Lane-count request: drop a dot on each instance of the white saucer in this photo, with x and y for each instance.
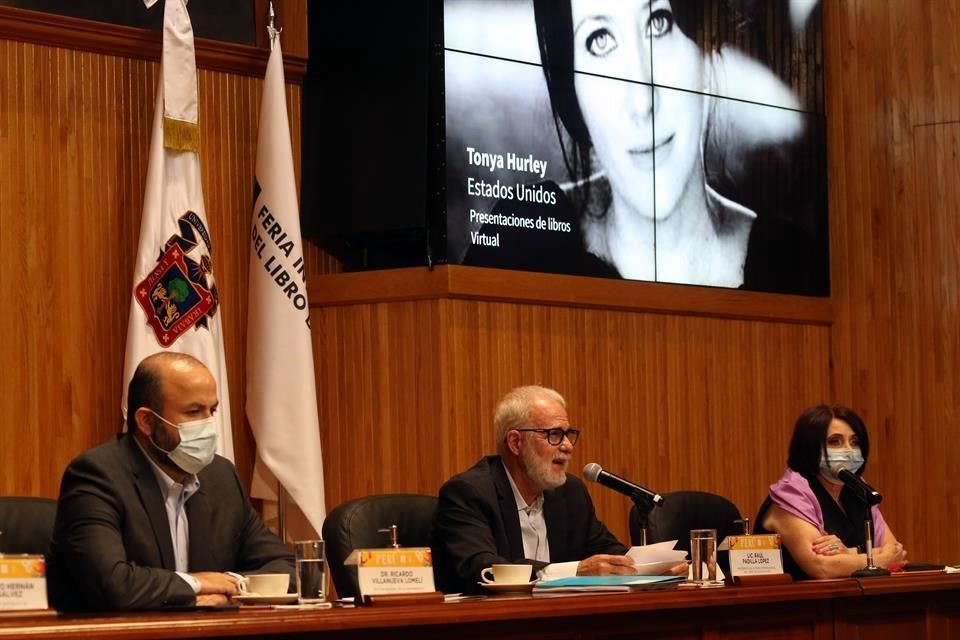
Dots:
(519, 587)
(255, 598)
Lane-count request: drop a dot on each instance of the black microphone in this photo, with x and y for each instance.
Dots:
(595, 473)
(861, 489)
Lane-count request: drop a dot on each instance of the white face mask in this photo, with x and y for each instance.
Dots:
(838, 459)
(198, 444)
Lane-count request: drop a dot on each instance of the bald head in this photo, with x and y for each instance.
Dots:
(148, 386)
(517, 408)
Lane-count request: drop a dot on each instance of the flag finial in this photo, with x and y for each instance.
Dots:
(272, 31)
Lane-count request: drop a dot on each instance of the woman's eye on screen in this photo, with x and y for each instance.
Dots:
(601, 42)
(661, 23)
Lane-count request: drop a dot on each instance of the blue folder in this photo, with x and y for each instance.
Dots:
(629, 582)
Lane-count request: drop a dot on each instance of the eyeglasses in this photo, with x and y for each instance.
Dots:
(556, 435)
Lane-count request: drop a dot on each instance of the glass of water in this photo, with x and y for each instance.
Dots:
(703, 555)
(311, 571)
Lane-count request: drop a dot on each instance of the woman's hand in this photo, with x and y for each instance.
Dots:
(829, 545)
(890, 555)
(800, 537)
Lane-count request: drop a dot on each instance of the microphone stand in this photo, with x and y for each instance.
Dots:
(644, 506)
(870, 570)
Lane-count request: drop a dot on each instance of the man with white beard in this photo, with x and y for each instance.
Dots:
(521, 506)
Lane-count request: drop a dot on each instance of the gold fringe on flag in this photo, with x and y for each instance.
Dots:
(180, 135)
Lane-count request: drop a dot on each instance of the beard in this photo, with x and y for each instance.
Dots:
(161, 439)
(541, 471)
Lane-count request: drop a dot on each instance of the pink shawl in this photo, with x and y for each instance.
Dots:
(793, 494)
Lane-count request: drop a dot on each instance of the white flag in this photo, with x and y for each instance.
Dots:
(175, 304)
(281, 388)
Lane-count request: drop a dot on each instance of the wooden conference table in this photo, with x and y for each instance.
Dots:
(908, 606)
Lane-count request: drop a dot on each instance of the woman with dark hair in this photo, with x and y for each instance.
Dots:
(631, 93)
(820, 520)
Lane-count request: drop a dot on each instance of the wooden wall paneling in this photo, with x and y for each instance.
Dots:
(291, 18)
(931, 79)
(499, 285)
(788, 621)
(675, 402)
(893, 116)
(889, 617)
(690, 404)
(77, 34)
(922, 481)
(377, 387)
(74, 135)
(68, 149)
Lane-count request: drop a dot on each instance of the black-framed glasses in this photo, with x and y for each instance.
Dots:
(556, 435)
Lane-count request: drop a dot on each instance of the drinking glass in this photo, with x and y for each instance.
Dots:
(311, 571)
(703, 555)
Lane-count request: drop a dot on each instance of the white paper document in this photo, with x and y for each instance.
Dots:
(655, 559)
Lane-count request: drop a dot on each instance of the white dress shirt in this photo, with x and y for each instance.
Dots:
(175, 496)
(533, 530)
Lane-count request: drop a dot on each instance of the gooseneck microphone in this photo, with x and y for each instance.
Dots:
(595, 473)
(861, 489)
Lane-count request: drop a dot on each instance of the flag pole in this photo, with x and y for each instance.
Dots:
(272, 33)
(281, 512)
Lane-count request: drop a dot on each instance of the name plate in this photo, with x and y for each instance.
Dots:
(23, 582)
(393, 571)
(757, 555)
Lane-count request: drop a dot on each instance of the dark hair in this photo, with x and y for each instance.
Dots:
(555, 39)
(146, 385)
(809, 441)
(726, 19)
(145, 390)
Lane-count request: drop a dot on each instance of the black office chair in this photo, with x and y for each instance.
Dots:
(354, 525)
(686, 510)
(26, 524)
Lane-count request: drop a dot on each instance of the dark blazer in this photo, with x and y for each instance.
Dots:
(477, 524)
(111, 543)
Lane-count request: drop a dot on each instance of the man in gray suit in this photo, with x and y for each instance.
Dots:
(153, 518)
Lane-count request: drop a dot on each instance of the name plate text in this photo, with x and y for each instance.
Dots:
(23, 582)
(393, 571)
(757, 555)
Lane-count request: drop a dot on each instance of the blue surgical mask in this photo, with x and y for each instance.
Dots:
(198, 444)
(838, 459)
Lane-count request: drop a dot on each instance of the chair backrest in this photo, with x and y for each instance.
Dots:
(26, 524)
(686, 510)
(354, 525)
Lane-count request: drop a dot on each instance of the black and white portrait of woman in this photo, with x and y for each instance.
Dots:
(680, 141)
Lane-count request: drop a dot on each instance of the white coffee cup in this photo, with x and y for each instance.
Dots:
(507, 574)
(268, 584)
